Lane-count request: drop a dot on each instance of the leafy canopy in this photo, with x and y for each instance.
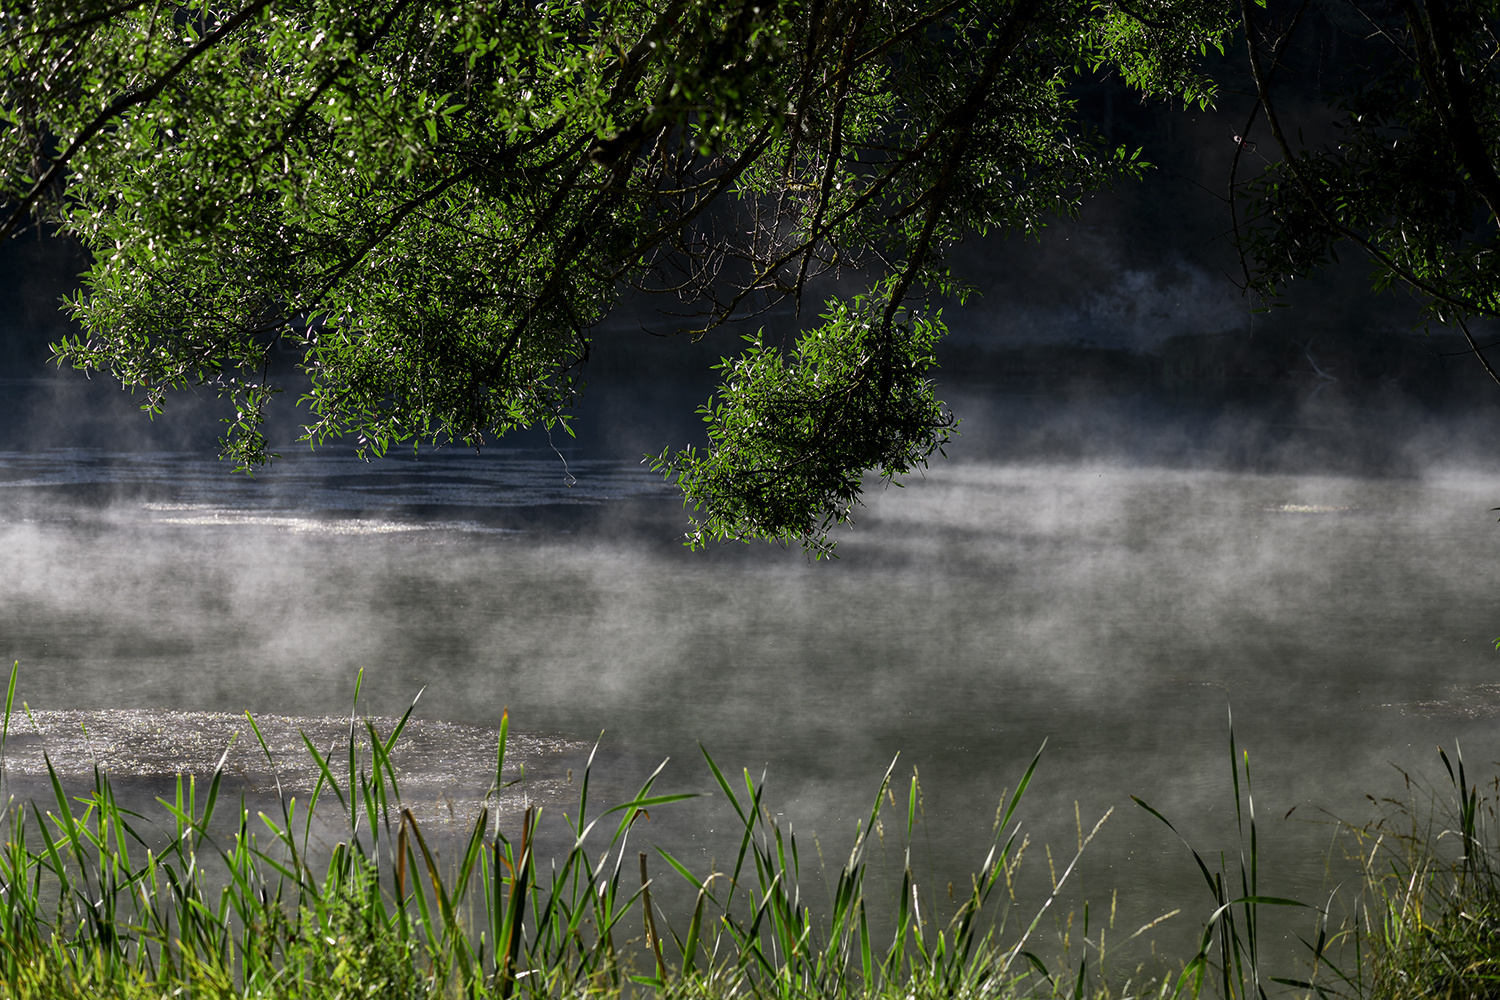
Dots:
(1409, 175)
(433, 201)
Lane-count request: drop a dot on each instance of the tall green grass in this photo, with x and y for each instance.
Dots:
(1229, 954)
(1420, 919)
(1423, 918)
(197, 898)
(206, 901)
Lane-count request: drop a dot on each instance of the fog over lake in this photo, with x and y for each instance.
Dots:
(1115, 600)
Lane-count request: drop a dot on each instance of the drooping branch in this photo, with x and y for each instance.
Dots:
(1242, 140)
(1316, 202)
(958, 127)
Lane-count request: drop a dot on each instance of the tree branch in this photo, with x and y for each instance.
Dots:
(118, 107)
(1443, 76)
(1309, 192)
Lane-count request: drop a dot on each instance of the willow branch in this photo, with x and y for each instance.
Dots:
(1309, 192)
(118, 107)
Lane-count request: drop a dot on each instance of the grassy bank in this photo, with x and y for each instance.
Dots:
(1424, 920)
(219, 904)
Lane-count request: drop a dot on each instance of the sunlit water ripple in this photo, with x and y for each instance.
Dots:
(303, 493)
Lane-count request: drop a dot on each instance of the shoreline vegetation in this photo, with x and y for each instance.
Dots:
(97, 900)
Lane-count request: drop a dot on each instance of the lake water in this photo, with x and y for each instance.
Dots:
(1116, 606)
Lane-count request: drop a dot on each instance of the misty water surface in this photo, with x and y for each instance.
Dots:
(1115, 607)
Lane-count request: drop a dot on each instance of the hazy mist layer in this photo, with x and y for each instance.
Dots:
(1114, 600)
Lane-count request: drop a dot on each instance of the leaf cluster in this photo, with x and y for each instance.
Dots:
(793, 433)
(1409, 177)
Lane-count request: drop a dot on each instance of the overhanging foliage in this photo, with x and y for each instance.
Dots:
(432, 202)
